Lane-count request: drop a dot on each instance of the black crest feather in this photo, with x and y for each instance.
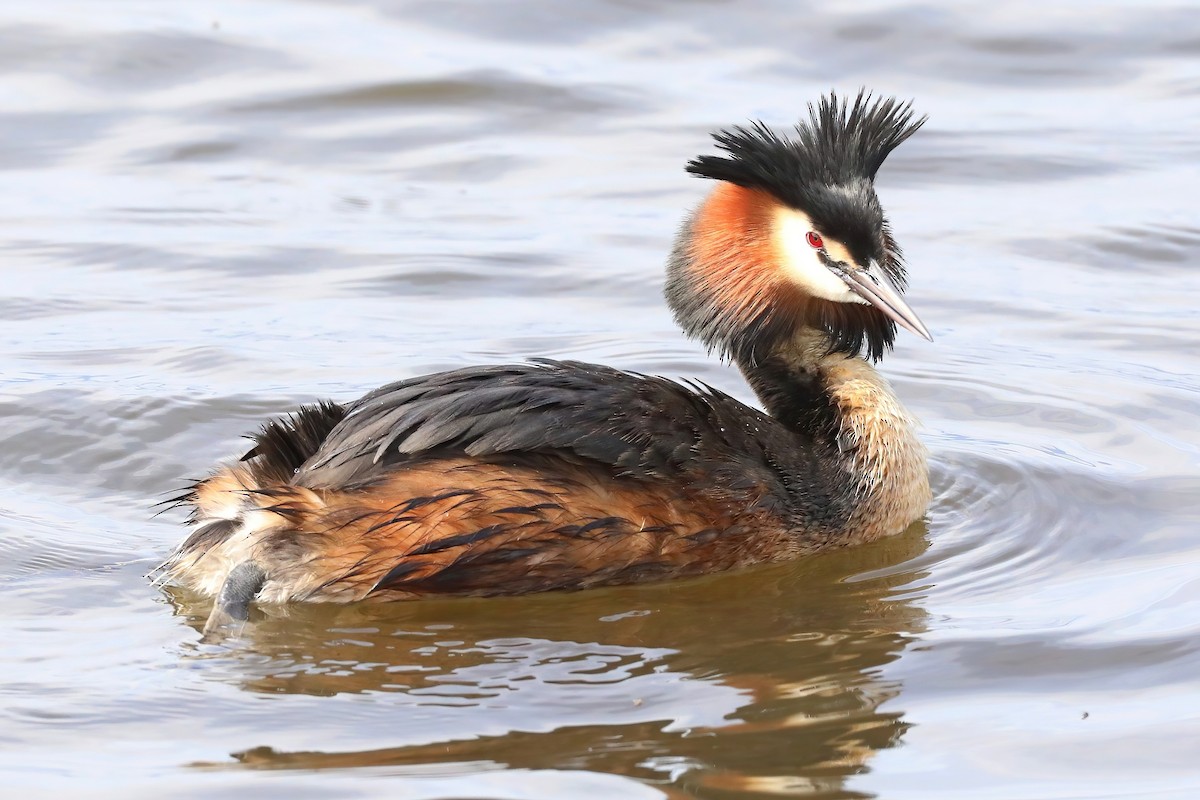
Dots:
(841, 143)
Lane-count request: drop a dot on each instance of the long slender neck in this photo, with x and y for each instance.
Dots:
(791, 383)
(844, 408)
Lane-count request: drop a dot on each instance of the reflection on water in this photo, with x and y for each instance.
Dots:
(213, 212)
(783, 663)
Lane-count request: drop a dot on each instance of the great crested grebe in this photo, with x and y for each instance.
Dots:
(562, 475)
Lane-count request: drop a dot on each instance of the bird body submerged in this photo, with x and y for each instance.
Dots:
(555, 475)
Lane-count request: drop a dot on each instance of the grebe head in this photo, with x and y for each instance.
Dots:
(794, 236)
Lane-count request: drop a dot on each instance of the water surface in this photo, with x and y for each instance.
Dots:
(213, 212)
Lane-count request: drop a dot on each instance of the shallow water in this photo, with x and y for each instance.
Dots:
(212, 212)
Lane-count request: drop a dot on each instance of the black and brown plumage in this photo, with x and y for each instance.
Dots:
(562, 475)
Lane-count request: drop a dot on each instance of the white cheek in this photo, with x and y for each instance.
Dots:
(802, 264)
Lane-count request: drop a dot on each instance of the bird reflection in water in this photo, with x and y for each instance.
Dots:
(762, 681)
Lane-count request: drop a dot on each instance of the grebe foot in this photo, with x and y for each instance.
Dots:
(232, 606)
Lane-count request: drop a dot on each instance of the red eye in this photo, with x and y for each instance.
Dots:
(815, 240)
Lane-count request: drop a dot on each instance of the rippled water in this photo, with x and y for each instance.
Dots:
(211, 212)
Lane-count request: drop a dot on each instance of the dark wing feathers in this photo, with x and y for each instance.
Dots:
(639, 426)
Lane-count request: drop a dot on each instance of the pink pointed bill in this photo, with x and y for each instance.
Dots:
(873, 285)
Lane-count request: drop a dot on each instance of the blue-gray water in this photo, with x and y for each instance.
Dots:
(212, 212)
